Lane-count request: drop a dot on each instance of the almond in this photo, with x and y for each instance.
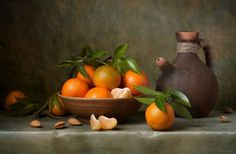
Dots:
(223, 119)
(59, 125)
(35, 124)
(74, 122)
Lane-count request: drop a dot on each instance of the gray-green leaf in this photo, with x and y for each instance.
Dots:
(133, 65)
(146, 100)
(181, 110)
(122, 65)
(82, 71)
(148, 91)
(120, 51)
(179, 97)
(160, 103)
(28, 109)
(98, 54)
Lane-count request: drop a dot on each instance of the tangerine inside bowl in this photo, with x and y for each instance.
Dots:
(119, 108)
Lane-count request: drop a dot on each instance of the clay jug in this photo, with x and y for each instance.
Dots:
(189, 74)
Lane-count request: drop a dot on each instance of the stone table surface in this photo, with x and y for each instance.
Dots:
(205, 135)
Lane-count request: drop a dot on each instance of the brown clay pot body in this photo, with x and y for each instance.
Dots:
(190, 75)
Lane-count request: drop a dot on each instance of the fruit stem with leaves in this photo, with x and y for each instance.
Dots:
(96, 58)
(175, 98)
(124, 63)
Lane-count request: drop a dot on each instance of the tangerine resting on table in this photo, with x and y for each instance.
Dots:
(106, 76)
(160, 120)
(98, 92)
(11, 98)
(74, 87)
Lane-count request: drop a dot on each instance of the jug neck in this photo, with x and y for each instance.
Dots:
(187, 47)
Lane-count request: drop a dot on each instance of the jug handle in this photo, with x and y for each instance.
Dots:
(208, 53)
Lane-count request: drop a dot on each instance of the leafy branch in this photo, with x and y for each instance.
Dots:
(24, 106)
(122, 62)
(87, 56)
(175, 98)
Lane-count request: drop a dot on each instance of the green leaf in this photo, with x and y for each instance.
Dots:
(122, 65)
(148, 91)
(27, 101)
(98, 54)
(179, 97)
(146, 100)
(120, 51)
(181, 110)
(50, 104)
(133, 65)
(28, 109)
(86, 50)
(65, 64)
(82, 71)
(160, 103)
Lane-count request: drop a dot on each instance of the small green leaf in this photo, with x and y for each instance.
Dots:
(27, 101)
(28, 109)
(181, 110)
(133, 65)
(120, 51)
(65, 64)
(98, 54)
(160, 103)
(179, 97)
(122, 65)
(86, 50)
(148, 91)
(82, 71)
(145, 100)
(50, 105)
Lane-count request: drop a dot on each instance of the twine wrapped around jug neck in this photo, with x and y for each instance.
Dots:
(189, 47)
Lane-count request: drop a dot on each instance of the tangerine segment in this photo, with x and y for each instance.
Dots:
(106, 76)
(89, 70)
(132, 79)
(157, 119)
(74, 87)
(98, 92)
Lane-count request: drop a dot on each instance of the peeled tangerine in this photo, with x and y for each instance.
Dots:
(102, 123)
(95, 124)
(121, 93)
(107, 123)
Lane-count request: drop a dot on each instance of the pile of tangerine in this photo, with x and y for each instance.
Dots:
(101, 81)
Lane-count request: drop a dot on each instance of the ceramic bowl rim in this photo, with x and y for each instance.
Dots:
(95, 100)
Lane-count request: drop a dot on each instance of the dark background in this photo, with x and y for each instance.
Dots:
(35, 35)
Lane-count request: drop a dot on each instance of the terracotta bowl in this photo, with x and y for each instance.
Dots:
(119, 108)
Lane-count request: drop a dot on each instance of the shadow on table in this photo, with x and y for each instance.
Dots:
(136, 118)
